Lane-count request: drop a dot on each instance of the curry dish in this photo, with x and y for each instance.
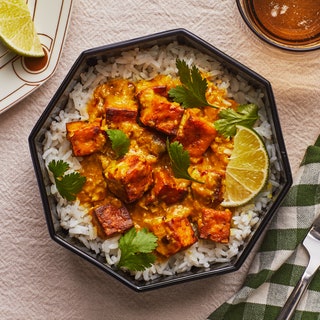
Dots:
(139, 188)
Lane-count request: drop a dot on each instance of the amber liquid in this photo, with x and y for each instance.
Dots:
(287, 21)
(36, 64)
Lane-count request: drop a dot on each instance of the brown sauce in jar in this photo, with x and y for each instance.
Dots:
(287, 21)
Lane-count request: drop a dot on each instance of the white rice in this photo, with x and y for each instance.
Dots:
(146, 64)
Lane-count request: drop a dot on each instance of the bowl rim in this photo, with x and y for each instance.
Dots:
(266, 39)
(128, 281)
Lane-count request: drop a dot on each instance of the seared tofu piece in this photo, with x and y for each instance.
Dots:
(195, 134)
(158, 113)
(210, 191)
(167, 188)
(173, 235)
(119, 115)
(129, 177)
(116, 99)
(215, 225)
(142, 138)
(85, 137)
(113, 219)
(120, 102)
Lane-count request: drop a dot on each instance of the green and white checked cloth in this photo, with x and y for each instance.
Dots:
(281, 259)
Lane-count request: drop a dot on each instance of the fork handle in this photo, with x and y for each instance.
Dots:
(295, 296)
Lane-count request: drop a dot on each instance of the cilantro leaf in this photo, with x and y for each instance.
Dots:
(138, 262)
(245, 115)
(70, 185)
(58, 168)
(180, 160)
(67, 185)
(119, 141)
(136, 248)
(192, 92)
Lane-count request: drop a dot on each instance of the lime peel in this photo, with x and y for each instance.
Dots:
(17, 30)
(247, 172)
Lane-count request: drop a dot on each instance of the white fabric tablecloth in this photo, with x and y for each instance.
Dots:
(42, 280)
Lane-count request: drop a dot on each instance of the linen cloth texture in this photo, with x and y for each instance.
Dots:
(281, 259)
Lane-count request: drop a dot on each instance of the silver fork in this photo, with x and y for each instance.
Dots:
(312, 244)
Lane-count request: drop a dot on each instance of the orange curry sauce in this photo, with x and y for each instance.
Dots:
(139, 189)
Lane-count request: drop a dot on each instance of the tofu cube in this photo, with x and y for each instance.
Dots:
(158, 113)
(116, 115)
(85, 137)
(120, 102)
(195, 134)
(167, 188)
(129, 177)
(113, 219)
(215, 225)
(116, 99)
(173, 235)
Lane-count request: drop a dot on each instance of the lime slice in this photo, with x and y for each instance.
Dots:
(247, 170)
(17, 29)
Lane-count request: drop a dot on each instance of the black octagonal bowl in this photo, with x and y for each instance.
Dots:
(234, 69)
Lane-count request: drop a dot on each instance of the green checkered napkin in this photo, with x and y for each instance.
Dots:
(281, 259)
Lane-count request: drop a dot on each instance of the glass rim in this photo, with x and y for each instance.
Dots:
(260, 34)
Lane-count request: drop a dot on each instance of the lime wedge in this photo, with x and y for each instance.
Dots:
(17, 30)
(248, 168)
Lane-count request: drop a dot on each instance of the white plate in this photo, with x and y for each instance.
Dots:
(19, 76)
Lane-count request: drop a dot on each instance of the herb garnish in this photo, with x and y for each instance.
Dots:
(119, 141)
(180, 160)
(245, 115)
(68, 185)
(192, 92)
(136, 247)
